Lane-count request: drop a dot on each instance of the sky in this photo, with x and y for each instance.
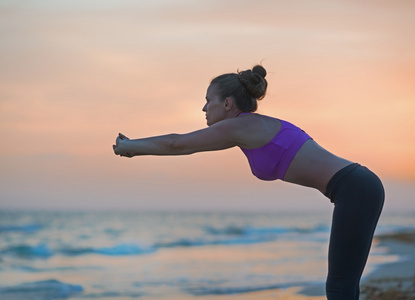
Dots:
(75, 73)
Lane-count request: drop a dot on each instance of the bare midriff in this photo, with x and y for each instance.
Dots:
(314, 166)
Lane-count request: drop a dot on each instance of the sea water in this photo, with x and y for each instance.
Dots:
(128, 255)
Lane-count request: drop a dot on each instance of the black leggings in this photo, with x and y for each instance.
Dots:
(358, 197)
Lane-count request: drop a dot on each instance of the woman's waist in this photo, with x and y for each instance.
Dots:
(313, 166)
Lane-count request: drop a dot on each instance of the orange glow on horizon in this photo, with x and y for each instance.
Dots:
(73, 77)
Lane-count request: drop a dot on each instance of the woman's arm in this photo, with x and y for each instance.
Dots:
(222, 135)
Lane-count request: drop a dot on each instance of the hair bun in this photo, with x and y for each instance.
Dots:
(254, 81)
(258, 69)
(246, 87)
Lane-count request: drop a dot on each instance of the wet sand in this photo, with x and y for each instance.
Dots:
(399, 275)
(276, 294)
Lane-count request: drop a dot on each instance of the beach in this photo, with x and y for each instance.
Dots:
(388, 281)
(188, 256)
(396, 277)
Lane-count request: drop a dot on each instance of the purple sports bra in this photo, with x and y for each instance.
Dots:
(271, 161)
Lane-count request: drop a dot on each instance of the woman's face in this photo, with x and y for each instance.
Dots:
(214, 107)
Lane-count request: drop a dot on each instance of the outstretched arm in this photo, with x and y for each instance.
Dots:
(222, 135)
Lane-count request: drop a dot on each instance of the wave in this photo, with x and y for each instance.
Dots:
(235, 230)
(233, 235)
(117, 250)
(31, 269)
(205, 291)
(43, 251)
(230, 235)
(26, 251)
(243, 240)
(47, 289)
(27, 228)
(113, 295)
(229, 230)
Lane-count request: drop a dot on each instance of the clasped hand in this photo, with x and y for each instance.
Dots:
(120, 146)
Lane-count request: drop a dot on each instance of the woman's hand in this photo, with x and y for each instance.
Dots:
(120, 147)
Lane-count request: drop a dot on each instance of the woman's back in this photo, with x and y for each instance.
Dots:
(311, 165)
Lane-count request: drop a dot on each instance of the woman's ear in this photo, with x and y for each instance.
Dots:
(228, 103)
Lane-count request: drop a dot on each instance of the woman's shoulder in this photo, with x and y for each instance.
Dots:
(257, 116)
(268, 122)
(256, 129)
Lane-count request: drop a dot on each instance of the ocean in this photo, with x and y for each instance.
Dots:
(162, 255)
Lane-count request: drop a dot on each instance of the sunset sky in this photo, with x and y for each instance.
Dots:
(75, 73)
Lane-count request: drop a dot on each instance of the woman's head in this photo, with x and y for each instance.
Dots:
(245, 87)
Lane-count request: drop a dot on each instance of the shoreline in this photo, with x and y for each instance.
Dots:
(393, 277)
(384, 282)
(386, 278)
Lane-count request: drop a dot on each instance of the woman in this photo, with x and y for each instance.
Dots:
(277, 149)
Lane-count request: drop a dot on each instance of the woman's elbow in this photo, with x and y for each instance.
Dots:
(176, 145)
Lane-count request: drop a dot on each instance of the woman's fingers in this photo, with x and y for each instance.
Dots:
(118, 141)
(121, 136)
(114, 147)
